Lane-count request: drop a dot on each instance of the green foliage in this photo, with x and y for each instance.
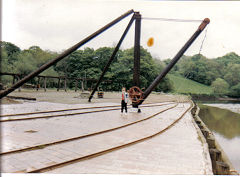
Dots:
(149, 69)
(199, 69)
(90, 63)
(13, 60)
(11, 50)
(31, 59)
(230, 58)
(4, 61)
(206, 71)
(232, 75)
(235, 90)
(187, 86)
(220, 86)
(84, 63)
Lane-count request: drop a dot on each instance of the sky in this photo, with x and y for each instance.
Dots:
(58, 24)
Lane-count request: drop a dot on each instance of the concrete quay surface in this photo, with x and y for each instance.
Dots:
(178, 150)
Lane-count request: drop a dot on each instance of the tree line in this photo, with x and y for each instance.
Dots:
(87, 63)
(222, 73)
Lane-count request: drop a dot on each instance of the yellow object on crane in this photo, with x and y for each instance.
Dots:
(150, 42)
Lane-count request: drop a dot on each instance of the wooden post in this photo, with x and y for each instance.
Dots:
(82, 85)
(205, 133)
(65, 84)
(58, 84)
(13, 82)
(38, 85)
(45, 84)
(18, 79)
(211, 142)
(76, 84)
(215, 156)
(222, 168)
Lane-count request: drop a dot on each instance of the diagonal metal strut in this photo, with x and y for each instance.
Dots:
(158, 79)
(61, 56)
(112, 57)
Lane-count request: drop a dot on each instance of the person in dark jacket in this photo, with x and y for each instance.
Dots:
(124, 100)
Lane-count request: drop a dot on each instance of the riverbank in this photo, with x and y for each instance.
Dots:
(221, 135)
(225, 125)
(213, 98)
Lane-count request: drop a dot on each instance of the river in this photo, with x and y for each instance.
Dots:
(224, 121)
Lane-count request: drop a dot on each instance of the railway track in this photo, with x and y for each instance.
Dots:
(47, 167)
(53, 111)
(5, 118)
(67, 162)
(40, 146)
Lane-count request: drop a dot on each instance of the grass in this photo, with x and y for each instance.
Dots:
(187, 86)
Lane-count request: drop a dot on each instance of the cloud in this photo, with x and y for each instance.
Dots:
(58, 24)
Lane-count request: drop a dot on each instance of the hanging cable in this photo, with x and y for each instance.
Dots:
(172, 20)
(203, 41)
(186, 75)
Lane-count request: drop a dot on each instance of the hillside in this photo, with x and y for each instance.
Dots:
(183, 85)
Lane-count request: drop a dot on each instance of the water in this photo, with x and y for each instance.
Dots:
(225, 125)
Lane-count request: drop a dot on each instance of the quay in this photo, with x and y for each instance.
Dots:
(96, 138)
(160, 134)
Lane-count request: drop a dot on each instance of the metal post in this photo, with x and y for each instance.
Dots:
(204, 23)
(136, 69)
(63, 55)
(112, 57)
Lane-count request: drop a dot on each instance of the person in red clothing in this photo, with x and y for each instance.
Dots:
(124, 100)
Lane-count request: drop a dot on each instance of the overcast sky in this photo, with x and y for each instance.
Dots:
(58, 24)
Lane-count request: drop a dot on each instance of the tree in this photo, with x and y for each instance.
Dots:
(199, 69)
(232, 75)
(226, 60)
(5, 67)
(235, 90)
(220, 86)
(102, 55)
(31, 59)
(78, 64)
(150, 68)
(11, 50)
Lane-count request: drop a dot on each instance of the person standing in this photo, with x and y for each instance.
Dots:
(124, 100)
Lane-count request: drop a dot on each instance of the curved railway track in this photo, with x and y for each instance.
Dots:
(52, 111)
(59, 165)
(40, 146)
(63, 110)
